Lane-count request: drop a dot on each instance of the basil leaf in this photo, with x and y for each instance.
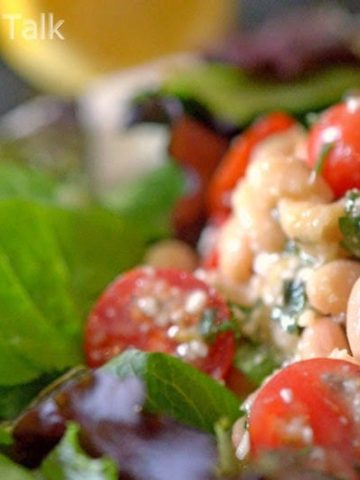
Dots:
(69, 462)
(178, 389)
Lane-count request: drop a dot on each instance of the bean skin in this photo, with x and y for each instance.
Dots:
(321, 338)
(328, 288)
(353, 320)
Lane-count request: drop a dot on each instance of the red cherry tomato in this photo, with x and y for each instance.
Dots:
(235, 161)
(159, 310)
(312, 402)
(338, 127)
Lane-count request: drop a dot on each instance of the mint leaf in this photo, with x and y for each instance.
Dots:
(6, 438)
(54, 262)
(12, 471)
(69, 462)
(13, 399)
(178, 389)
(26, 182)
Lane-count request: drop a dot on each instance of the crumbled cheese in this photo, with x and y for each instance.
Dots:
(148, 305)
(287, 395)
(195, 302)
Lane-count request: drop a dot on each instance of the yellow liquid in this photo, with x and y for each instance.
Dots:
(105, 35)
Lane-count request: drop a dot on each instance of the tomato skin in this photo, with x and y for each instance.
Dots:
(339, 126)
(116, 324)
(236, 159)
(313, 395)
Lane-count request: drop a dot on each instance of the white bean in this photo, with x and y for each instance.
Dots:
(328, 287)
(277, 176)
(310, 222)
(353, 320)
(171, 254)
(321, 338)
(235, 255)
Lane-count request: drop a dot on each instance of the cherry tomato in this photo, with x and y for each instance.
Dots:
(235, 161)
(337, 133)
(198, 150)
(159, 310)
(311, 402)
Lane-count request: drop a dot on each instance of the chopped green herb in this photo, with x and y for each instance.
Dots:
(209, 327)
(320, 162)
(256, 361)
(350, 223)
(293, 303)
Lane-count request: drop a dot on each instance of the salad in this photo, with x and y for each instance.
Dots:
(204, 324)
(229, 361)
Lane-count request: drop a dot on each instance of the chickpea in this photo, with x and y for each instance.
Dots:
(171, 254)
(353, 320)
(310, 222)
(277, 176)
(284, 143)
(321, 338)
(328, 287)
(235, 255)
(257, 219)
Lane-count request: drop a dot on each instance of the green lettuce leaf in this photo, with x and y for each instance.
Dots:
(177, 389)
(231, 95)
(69, 462)
(12, 471)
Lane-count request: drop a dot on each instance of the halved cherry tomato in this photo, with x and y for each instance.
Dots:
(337, 135)
(198, 150)
(309, 403)
(235, 161)
(159, 310)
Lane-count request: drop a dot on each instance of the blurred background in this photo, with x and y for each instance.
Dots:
(142, 94)
(249, 13)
